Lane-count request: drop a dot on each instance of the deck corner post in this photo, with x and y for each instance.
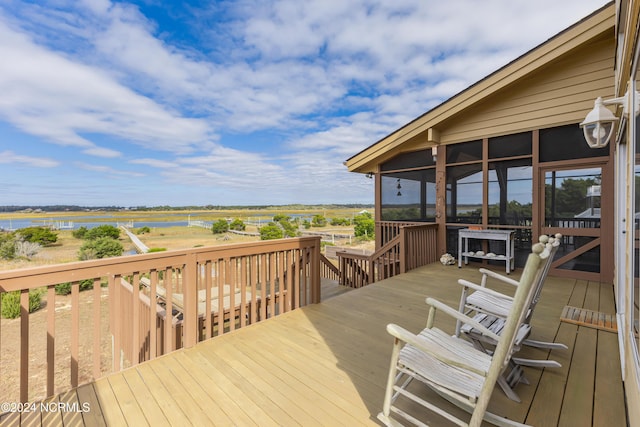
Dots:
(403, 252)
(315, 272)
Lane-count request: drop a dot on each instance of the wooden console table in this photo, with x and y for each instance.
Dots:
(502, 235)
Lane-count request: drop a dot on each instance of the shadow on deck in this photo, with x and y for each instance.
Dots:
(326, 364)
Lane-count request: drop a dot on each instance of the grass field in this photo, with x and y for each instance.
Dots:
(169, 238)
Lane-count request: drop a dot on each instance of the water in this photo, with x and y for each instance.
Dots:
(77, 222)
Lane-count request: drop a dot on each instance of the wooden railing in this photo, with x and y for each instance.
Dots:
(412, 247)
(142, 306)
(328, 270)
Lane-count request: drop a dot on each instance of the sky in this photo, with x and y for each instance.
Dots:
(247, 102)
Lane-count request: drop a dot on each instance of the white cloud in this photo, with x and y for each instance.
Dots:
(314, 81)
(107, 170)
(38, 162)
(48, 95)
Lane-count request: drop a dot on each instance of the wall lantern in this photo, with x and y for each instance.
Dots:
(599, 124)
(434, 152)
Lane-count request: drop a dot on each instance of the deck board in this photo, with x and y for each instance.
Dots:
(327, 364)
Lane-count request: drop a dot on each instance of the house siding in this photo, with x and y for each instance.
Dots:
(560, 93)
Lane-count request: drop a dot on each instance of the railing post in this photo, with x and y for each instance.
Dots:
(402, 251)
(190, 291)
(315, 273)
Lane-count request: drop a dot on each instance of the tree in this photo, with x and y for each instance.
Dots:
(40, 235)
(271, 231)
(318, 221)
(237, 225)
(340, 221)
(289, 228)
(281, 218)
(364, 225)
(102, 247)
(102, 231)
(220, 226)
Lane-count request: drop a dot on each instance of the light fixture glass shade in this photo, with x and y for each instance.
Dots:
(598, 125)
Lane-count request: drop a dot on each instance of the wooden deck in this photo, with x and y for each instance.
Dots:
(326, 365)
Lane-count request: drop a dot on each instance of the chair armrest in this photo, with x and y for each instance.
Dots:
(401, 334)
(462, 318)
(498, 276)
(488, 291)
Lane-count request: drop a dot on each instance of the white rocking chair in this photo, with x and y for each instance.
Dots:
(451, 366)
(490, 308)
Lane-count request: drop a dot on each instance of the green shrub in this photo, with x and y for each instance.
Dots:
(271, 231)
(102, 247)
(65, 288)
(220, 226)
(7, 246)
(11, 303)
(237, 225)
(364, 226)
(318, 221)
(80, 232)
(143, 230)
(40, 235)
(156, 250)
(102, 231)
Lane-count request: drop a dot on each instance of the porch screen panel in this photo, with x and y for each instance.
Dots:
(408, 196)
(572, 198)
(566, 143)
(464, 193)
(510, 192)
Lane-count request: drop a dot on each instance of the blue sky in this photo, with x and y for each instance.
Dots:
(233, 102)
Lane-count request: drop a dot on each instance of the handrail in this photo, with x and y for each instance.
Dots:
(265, 279)
(328, 270)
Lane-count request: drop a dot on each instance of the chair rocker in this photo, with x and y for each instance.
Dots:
(451, 366)
(489, 308)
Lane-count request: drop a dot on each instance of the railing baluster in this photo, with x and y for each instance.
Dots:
(114, 305)
(24, 345)
(97, 321)
(135, 305)
(253, 274)
(168, 319)
(262, 271)
(153, 314)
(243, 291)
(231, 269)
(75, 332)
(208, 333)
(51, 339)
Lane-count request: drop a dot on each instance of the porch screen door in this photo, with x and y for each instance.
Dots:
(576, 204)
